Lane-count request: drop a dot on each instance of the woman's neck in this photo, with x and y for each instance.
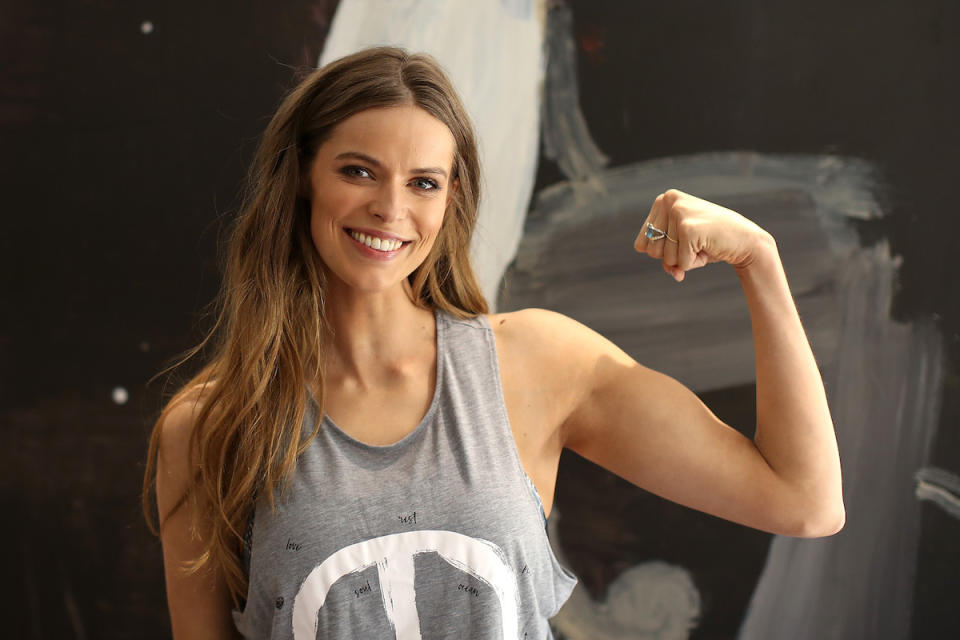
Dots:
(375, 334)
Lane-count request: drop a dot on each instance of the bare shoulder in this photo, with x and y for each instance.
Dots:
(543, 337)
(533, 324)
(176, 425)
(178, 419)
(549, 362)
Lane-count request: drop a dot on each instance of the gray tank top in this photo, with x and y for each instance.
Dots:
(440, 535)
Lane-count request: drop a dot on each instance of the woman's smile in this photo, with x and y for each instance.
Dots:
(375, 245)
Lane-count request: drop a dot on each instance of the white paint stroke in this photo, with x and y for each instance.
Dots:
(650, 601)
(940, 487)
(493, 52)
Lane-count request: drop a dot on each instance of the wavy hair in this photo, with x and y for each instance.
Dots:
(267, 342)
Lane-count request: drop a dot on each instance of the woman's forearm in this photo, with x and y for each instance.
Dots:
(795, 432)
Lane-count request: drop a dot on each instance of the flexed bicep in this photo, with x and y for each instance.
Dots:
(654, 432)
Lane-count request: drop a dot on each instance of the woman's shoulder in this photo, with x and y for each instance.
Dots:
(553, 345)
(540, 328)
(548, 342)
(185, 405)
(548, 363)
(530, 319)
(176, 425)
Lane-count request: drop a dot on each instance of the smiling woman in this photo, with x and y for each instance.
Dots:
(369, 451)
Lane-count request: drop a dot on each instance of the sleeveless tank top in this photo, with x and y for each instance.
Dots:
(439, 535)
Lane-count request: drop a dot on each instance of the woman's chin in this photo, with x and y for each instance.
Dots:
(370, 286)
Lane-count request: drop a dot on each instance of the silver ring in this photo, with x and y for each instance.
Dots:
(655, 233)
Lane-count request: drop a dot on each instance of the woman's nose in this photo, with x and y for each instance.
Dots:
(388, 204)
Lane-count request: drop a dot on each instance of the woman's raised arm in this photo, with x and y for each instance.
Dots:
(653, 431)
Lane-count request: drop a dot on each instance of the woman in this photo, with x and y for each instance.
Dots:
(368, 450)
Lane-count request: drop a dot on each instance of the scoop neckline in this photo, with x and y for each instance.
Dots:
(424, 421)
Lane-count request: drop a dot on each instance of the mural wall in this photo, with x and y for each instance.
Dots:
(125, 132)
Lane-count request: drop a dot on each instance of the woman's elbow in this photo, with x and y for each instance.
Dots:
(822, 522)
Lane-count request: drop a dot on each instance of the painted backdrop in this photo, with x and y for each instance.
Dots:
(125, 129)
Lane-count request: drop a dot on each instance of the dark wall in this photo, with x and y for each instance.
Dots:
(121, 152)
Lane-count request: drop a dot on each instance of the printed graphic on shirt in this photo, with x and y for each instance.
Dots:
(406, 564)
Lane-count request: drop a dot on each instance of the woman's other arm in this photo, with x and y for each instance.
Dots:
(199, 603)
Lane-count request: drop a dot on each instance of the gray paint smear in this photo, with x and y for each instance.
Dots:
(577, 257)
(882, 377)
(822, 189)
(940, 487)
(885, 398)
(566, 139)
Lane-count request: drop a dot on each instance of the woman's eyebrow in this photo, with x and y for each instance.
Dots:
(356, 155)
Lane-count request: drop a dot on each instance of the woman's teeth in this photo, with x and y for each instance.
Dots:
(380, 244)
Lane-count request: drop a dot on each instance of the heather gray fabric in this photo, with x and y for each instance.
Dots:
(440, 535)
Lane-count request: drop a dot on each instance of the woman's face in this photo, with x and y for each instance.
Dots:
(379, 187)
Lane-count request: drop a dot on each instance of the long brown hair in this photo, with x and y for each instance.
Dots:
(268, 339)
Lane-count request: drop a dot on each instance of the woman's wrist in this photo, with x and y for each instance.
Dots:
(763, 259)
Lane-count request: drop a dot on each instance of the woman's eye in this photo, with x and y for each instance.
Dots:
(355, 172)
(426, 184)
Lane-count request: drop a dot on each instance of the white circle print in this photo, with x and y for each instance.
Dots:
(394, 557)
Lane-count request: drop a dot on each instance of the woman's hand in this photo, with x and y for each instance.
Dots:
(686, 232)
